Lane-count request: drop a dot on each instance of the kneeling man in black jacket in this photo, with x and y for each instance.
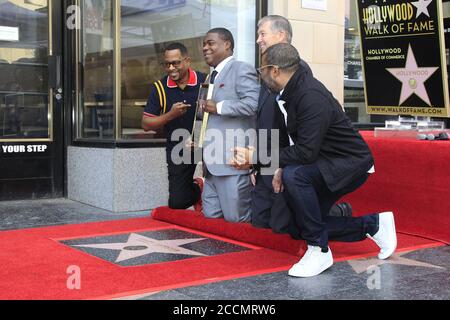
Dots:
(327, 158)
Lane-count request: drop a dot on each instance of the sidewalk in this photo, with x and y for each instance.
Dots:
(52, 212)
(422, 274)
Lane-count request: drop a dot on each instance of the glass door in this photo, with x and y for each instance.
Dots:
(31, 146)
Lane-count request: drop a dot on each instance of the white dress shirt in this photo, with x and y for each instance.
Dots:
(283, 110)
(219, 68)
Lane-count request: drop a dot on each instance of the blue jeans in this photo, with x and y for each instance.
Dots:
(310, 200)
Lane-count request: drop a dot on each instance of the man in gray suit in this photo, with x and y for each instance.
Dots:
(232, 116)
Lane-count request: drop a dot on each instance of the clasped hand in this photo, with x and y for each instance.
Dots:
(277, 182)
(209, 106)
(242, 159)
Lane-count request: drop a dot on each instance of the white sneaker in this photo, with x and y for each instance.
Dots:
(314, 262)
(386, 237)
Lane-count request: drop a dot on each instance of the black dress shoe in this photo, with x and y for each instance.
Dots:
(343, 209)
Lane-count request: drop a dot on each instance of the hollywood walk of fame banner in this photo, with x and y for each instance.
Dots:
(403, 53)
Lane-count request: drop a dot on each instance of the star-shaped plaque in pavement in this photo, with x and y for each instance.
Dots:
(363, 265)
(152, 247)
(422, 7)
(138, 245)
(413, 78)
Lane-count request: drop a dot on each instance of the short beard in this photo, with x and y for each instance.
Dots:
(271, 89)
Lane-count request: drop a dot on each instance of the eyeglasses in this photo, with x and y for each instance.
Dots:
(277, 66)
(175, 64)
(268, 65)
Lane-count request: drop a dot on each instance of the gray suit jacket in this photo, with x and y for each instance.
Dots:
(237, 85)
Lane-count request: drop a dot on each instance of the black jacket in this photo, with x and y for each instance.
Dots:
(269, 117)
(322, 133)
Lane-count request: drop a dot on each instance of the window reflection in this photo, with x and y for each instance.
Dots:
(95, 72)
(147, 27)
(24, 109)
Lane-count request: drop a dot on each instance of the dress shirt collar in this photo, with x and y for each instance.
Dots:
(284, 112)
(279, 96)
(222, 65)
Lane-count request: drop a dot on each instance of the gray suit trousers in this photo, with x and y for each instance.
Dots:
(227, 197)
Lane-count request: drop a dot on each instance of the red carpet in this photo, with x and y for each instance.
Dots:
(281, 242)
(35, 263)
(411, 179)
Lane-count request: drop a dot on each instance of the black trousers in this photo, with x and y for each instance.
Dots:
(270, 210)
(183, 192)
(310, 200)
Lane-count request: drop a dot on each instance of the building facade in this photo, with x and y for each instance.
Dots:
(75, 76)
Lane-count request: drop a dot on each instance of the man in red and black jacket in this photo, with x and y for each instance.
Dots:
(172, 105)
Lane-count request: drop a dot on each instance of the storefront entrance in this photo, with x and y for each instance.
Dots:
(31, 101)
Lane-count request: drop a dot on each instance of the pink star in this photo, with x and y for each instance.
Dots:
(413, 78)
